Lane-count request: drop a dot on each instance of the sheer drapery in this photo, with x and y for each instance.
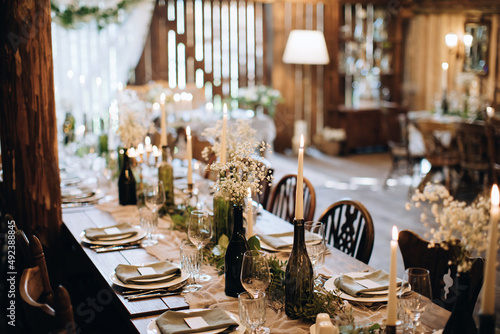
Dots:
(90, 64)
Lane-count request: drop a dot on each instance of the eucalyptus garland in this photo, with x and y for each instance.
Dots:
(68, 16)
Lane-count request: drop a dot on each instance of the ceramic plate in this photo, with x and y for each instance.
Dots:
(184, 276)
(377, 298)
(140, 234)
(153, 329)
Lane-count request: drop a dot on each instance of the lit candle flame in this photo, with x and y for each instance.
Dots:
(224, 109)
(249, 192)
(444, 66)
(188, 131)
(394, 233)
(495, 196)
(301, 141)
(162, 98)
(147, 141)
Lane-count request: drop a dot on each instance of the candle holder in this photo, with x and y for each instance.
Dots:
(486, 323)
(390, 329)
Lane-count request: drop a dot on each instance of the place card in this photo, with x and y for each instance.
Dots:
(112, 230)
(196, 322)
(368, 283)
(146, 271)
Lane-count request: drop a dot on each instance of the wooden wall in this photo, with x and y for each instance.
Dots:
(236, 54)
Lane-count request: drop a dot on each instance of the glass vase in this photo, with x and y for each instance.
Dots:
(223, 217)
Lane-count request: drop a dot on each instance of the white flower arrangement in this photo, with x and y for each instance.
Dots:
(260, 95)
(455, 223)
(133, 116)
(244, 168)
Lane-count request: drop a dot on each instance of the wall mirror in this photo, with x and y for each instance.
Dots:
(476, 47)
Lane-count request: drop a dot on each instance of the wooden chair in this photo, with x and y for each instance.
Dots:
(493, 134)
(349, 227)
(440, 150)
(475, 171)
(395, 124)
(49, 309)
(282, 198)
(445, 288)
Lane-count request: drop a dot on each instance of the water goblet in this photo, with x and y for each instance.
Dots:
(154, 197)
(252, 310)
(190, 263)
(148, 221)
(415, 296)
(200, 233)
(315, 244)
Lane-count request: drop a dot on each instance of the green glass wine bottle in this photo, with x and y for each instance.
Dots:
(166, 175)
(127, 193)
(299, 272)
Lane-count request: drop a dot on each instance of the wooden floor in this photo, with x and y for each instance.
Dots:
(361, 177)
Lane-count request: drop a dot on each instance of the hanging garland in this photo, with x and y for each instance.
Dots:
(68, 16)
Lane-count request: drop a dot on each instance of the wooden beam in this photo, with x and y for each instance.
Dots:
(28, 133)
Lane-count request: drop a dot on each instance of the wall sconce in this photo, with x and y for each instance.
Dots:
(451, 40)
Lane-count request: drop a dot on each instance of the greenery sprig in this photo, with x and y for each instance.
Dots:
(72, 14)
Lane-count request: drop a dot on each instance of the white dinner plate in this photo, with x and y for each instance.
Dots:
(140, 234)
(153, 329)
(377, 298)
(184, 276)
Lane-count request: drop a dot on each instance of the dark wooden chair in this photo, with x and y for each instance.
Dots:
(282, 198)
(46, 310)
(445, 287)
(493, 134)
(475, 171)
(395, 124)
(441, 152)
(349, 227)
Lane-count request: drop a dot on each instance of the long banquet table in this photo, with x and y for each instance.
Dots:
(142, 312)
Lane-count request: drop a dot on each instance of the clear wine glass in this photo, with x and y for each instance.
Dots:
(190, 263)
(147, 218)
(154, 197)
(252, 310)
(199, 233)
(315, 244)
(415, 296)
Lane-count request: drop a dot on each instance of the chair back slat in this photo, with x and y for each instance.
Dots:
(282, 198)
(349, 227)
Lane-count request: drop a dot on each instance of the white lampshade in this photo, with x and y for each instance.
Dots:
(306, 47)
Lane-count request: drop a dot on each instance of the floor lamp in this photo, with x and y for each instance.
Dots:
(305, 47)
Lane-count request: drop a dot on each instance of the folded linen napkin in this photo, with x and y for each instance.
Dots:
(357, 284)
(285, 240)
(110, 233)
(172, 322)
(130, 274)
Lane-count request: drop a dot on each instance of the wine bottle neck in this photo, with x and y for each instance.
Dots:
(237, 219)
(164, 153)
(298, 233)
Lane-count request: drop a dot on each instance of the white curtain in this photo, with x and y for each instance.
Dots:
(90, 64)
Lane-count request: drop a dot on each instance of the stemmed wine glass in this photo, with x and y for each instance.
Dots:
(200, 233)
(190, 263)
(415, 296)
(154, 196)
(315, 244)
(255, 277)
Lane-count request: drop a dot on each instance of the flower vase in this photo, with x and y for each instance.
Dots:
(223, 217)
(461, 319)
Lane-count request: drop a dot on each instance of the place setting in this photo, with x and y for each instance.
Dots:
(113, 238)
(151, 280)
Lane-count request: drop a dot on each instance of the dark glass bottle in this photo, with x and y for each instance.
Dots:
(166, 175)
(127, 194)
(237, 246)
(299, 272)
(461, 319)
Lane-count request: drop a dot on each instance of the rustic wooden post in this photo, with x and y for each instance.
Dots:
(28, 131)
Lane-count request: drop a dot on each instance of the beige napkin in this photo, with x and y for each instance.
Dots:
(357, 284)
(172, 322)
(130, 274)
(285, 240)
(110, 233)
